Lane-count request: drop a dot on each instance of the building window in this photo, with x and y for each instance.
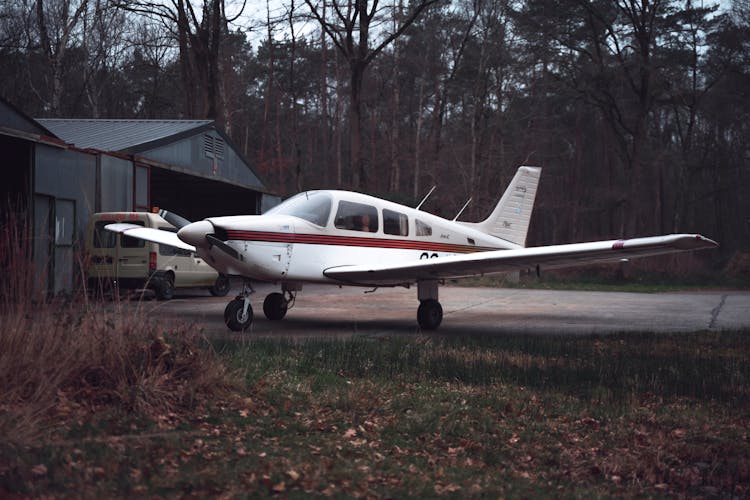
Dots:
(65, 225)
(142, 195)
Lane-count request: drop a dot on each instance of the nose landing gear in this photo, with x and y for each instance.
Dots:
(238, 314)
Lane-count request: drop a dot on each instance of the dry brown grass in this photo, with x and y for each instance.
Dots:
(69, 354)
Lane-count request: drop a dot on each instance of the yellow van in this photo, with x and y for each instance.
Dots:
(129, 263)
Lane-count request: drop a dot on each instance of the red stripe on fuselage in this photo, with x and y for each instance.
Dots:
(352, 241)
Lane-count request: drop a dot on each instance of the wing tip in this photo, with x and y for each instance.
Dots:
(698, 241)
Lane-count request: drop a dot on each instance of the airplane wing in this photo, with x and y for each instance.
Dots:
(150, 234)
(497, 261)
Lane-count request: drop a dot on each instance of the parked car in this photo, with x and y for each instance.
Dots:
(129, 263)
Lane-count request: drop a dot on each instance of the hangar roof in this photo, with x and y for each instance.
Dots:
(194, 147)
(13, 119)
(127, 136)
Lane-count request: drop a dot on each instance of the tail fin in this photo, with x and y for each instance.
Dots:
(510, 218)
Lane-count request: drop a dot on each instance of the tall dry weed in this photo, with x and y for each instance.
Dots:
(62, 352)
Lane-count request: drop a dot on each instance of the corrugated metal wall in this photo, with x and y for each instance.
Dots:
(64, 199)
(116, 184)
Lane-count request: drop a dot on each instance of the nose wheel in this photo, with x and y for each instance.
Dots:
(238, 315)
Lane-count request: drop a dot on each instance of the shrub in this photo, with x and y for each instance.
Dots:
(63, 353)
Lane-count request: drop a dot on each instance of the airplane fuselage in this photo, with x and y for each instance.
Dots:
(321, 230)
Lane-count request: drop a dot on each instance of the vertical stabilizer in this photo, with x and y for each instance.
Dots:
(510, 218)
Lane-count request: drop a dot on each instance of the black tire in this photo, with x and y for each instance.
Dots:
(275, 306)
(164, 288)
(221, 286)
(233, 315)
(429, 314)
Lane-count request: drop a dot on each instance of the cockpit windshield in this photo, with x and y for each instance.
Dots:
(313, 206)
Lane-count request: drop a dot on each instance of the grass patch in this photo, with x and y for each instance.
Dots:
(512, 416)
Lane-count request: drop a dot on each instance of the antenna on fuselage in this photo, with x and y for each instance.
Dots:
(425, 198)
(462, 209)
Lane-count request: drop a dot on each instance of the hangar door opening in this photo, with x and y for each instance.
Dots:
(196, 198)
(15, 187)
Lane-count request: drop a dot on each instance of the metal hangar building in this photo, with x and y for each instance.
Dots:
(63, 170)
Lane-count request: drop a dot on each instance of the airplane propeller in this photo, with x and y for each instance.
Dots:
(176, 220)
(214, 241)
(204, 232)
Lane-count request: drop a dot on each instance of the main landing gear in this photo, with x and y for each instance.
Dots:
(430, 312)
(276, 304)
(238, 314)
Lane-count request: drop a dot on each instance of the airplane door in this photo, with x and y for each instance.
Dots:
(283, 252)
(271, 259)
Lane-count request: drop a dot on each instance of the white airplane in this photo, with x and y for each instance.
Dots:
(347, 238)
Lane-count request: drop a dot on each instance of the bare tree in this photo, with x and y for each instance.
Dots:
(198, 30)
(57, 21)
(350, 31)
(102, 40)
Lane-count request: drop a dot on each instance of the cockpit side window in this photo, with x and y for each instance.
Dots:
(356, 217)
(395, 223)
(423, 229)
(314, 206)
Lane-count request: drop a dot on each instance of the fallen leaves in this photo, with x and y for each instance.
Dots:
(371, 438)
(39, 470)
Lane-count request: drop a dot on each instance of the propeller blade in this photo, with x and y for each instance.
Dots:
(204, 233)
(214, 241)
(174, 219)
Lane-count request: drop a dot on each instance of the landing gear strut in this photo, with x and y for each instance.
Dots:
(238, 314)
(430, 312)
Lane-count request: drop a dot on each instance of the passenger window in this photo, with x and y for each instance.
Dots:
(356, 217)
(395, 223)
(102, 237)
(423, 229)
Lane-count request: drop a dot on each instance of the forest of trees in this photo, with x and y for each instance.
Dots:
(637, 110)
